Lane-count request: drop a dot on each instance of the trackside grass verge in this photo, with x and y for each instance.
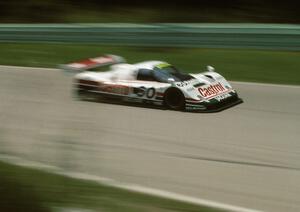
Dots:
(26, 189)
(281, 67)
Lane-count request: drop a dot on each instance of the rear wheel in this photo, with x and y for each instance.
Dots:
(85, 89)
(174, 99)
(85, 95)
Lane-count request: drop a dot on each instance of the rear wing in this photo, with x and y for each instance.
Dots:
(92, 63)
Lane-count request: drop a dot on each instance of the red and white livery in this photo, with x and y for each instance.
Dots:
(151, 82)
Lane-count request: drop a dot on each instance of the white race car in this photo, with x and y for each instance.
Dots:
(151, 82)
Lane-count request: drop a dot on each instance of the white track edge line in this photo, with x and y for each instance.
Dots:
(126, 186)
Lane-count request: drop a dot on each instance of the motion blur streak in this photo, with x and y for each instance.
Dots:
(247, 156)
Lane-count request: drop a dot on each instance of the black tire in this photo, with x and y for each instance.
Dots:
(174, 99)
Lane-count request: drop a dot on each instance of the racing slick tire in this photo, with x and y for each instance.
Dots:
(174, 99)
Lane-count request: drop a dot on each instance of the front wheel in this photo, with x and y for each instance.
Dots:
(174, 99)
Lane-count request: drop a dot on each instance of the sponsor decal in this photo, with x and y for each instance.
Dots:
(195, 107)
(184, 83)
(117, 89)
(211, 90)
(223, 96)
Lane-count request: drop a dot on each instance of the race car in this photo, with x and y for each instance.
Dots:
(151, 82)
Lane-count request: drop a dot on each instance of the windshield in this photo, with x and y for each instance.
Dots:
(167, 72)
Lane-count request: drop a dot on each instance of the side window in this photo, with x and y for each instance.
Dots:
(145, 75)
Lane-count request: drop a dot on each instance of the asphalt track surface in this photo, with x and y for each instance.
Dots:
(248, 155)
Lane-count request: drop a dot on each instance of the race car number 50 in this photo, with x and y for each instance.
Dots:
(150, 92)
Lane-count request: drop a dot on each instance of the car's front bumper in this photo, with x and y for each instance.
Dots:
(214, 105)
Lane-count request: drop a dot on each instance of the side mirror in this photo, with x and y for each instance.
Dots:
(210, 68)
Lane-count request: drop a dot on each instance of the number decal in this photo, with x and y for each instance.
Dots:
(150, 93)
(142, 91)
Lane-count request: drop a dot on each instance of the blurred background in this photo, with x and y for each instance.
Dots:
(247, 156)
(188, 11)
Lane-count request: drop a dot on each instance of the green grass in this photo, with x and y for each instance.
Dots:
(25, 189)
(281, 67)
